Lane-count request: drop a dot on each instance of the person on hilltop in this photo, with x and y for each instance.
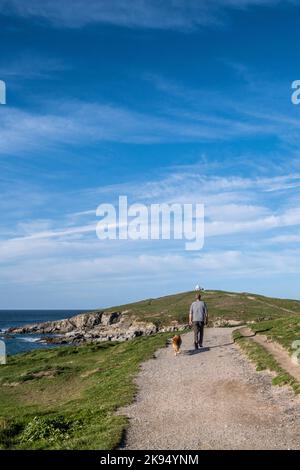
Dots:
(198, 318)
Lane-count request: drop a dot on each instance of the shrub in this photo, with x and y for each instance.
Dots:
(51, 429)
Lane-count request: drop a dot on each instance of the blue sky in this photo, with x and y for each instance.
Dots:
(173, 101)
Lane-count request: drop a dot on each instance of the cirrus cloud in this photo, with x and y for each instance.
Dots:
(167, 14)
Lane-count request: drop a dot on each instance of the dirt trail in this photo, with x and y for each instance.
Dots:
(277, 351)
(213, 399)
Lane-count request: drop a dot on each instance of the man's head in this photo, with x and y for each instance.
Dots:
(198, 297)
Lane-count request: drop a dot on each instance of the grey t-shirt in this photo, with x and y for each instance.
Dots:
(198, 310)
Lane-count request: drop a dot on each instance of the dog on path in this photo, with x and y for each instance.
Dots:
(176, 343)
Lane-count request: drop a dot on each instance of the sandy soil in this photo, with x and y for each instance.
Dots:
(213, 399)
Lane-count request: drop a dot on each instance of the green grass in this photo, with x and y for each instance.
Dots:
(282, 330)
(263, 359)
(222, 305)
(67, 397)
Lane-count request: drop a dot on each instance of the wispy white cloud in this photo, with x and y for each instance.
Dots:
(233, 206)
(74, 122)
(284, 239)
(30, 66)
(79, 123)
(66, 252)
(169, 14)
(230, 263)
(190, 183)
(251, 104)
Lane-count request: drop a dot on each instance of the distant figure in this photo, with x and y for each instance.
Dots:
(198, 318)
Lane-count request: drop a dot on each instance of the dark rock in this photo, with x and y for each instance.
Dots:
(83, 321)
(110, 318)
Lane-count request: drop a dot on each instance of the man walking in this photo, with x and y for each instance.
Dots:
(198, 318)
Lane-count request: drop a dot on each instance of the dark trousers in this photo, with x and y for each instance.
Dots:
(198, 332)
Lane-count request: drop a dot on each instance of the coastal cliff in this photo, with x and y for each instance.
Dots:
(94, 327)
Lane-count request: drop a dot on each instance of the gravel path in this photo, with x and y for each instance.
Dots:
(213, 399)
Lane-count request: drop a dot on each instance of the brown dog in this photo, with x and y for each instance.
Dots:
(176, 343)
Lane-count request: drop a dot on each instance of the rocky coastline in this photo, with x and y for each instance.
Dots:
(94, 327)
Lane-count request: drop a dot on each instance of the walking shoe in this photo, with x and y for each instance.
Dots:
(196, 346)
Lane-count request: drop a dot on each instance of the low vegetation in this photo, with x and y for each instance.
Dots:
(265, 361)
(66, 398)
(225, 306)
(282, 330)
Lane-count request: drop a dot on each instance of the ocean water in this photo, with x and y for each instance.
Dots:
(23, 343)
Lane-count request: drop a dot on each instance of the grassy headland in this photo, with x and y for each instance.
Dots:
(67, 397)
(222, 305)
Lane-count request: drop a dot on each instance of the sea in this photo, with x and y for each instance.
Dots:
(22, 343)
